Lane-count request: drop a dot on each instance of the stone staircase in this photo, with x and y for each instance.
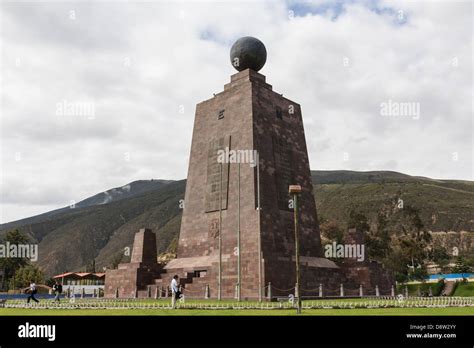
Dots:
(448, 288)
(193, 286)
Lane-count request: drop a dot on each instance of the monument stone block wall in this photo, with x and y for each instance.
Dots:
(131, 277)
(253, 117)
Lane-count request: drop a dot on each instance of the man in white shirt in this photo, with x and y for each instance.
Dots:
(32, 292)
(174, 290)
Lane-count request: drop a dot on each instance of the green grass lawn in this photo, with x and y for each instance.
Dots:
(464, 289)
(208, 302)
(415, 289)
(240, 312)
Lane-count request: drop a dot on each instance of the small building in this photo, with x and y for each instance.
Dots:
(77, 281)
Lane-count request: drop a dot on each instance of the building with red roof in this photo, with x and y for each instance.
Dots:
(81, 282)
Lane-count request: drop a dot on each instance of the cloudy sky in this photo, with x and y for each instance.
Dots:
(96, 95)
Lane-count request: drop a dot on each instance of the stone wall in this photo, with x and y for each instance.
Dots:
(129, 278)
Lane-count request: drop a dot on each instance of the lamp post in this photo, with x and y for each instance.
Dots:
(259, 235)
(295, 190)
(239, 280)
(219, 281)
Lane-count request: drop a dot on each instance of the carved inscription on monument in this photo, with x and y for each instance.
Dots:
(282, 155)
(214, 168)
(214, 228)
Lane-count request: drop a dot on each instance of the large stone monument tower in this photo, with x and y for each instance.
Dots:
(248, 146)
(237, 231)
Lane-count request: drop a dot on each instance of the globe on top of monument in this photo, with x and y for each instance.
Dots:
(248, 53)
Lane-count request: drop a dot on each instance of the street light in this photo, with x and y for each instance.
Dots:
(295, 190)
(219, 289)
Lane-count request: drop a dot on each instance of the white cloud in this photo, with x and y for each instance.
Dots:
(141, 64)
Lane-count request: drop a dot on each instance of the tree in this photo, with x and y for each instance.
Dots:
(91, 267)
(413, 241)
(10, 265)
(378, 244)
(396, 261)
(419, 273)
(24, 275)
(50, 282)
(408, 221)
(439, 254)
(379, 241)
(331, 230)
(461, 266)
(358, 221)
(443, 264)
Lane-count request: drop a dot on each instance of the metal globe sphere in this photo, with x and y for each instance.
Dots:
(248, 53)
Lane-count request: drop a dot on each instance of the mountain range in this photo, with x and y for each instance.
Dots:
(100, 227)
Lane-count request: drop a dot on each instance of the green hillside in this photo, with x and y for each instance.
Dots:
(443, 205)
(75, 237)
(69, 239)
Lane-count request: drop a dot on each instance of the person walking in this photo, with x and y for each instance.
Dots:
(32, 291)
(174, 291)
(58, 289)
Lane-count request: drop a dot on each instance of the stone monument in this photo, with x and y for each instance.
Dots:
(237, 229)
(131, 278)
